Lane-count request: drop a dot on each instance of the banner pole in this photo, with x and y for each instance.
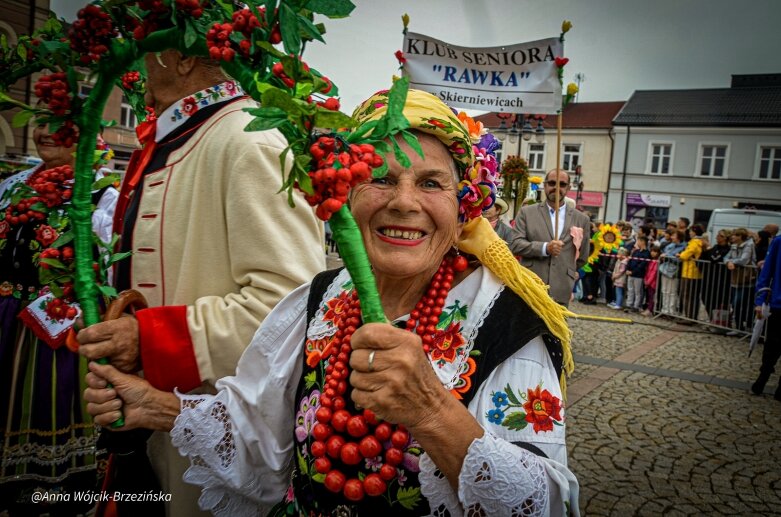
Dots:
(558, 164)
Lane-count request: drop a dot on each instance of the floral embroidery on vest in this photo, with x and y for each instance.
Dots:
(539, 407)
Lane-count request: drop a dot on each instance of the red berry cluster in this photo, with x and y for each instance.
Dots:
(66, 255)
(219, 43)
(59, 310)
(192, 8)
(22, 212)
(53, 185)
(129, 79)
(279, 71)
(66, 135)
(244, 21)
(91, 33)
(151, 21)
(54, 91)
(339, 168)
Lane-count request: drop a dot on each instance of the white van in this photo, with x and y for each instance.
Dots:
(731, 218)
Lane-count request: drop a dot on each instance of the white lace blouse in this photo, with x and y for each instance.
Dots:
(241, 441)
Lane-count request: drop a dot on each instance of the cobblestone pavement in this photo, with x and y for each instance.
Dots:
(660, 421)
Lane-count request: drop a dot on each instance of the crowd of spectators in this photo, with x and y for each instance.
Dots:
(681, 272)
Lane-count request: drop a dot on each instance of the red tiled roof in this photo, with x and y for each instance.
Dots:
(577, 115)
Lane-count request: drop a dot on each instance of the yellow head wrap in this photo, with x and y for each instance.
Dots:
(428, 114)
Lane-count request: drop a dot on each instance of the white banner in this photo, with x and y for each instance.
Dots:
(521, 78)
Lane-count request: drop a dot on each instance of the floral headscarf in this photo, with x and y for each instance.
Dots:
(477, 165)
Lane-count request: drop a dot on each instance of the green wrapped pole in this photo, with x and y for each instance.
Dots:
(348, 237)
(81, 203)
(81, 207)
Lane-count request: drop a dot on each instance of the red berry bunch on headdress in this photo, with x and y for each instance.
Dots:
(244, 22)
(340, 167)
(129, 79)
(53, 89)
(219, 43)
(157, 14)
(192, 8)
(91, 33)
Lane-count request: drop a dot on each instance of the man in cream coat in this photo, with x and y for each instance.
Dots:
(554, 257)
(215, 247)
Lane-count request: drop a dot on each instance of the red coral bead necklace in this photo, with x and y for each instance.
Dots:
(349, 438)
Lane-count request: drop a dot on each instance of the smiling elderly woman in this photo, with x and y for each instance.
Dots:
(453, 407)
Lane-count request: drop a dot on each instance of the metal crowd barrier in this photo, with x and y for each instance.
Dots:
(721, 298)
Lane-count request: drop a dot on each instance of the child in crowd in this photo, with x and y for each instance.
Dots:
(619, 278)
(650, 281)
(635, 271)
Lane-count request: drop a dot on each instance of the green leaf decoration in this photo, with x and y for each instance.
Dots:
(265, 123)
(320, 478)
(332, 119)
(190, 33)
(22, 118)
(400, 155)
(288, 24)
(308, 29)
(302, 463)
(515, 421)
(408, 497)
(107, 290)
(53, 263)
(277, 98)
(412, 141)
(331, 8)
(511, 396)
(62, 240)
(310, 379)
(105, 181)
(116, 257)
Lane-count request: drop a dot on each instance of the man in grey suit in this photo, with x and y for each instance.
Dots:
(553, 256)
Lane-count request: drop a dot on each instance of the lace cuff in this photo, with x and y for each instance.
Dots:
(203, 432)
(436, 489)
(498, 478)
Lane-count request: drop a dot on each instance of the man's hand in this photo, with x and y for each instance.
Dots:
(554, 248)
(731, 266)
(116, 340)
(130, 396)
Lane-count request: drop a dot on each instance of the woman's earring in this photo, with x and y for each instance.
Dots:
(459, 262)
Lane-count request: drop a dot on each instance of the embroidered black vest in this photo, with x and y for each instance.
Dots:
(509, 323)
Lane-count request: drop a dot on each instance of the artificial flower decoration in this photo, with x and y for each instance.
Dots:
(572, 89)
(609, 238)
(476, 129)
(566, 25)
(405, 21)
(561, 61)
(400, 57)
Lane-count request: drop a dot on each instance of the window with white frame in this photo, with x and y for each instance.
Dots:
(769, 163)
(537, 157)
(84, 90)
(661, 158)
(713, 160)
(127, 117)
(571, 157)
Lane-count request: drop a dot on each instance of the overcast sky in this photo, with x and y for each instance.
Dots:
(620, 45)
